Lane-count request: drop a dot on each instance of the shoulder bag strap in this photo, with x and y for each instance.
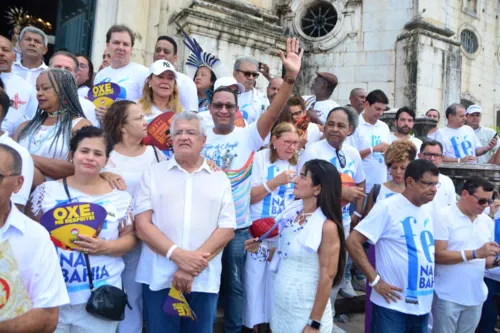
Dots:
(156, 154)
(65, 184)
(376, 191)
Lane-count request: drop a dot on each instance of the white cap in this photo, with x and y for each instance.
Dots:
(228, 81)
(160, 66)
(473, 109)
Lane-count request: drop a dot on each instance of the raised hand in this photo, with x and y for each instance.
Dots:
(293, 59)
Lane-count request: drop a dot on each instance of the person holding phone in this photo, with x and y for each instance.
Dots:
(484, 134)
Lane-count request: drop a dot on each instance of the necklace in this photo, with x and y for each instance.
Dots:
(37, 143)
(290, 224)
(56, 114)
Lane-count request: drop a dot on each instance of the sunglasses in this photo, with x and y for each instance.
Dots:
(482, 201)
(229, 107)
(341, 158)
(247, 74)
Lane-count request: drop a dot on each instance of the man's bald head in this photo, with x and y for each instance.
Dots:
(274, 87)
(7, 55)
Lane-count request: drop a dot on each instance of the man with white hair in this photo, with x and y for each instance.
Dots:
(251, 103)
(33, 43)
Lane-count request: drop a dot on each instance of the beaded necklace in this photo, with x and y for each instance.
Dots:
(290, 224)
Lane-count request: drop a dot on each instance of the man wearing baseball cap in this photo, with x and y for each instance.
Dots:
(484, 134)
(323, 86)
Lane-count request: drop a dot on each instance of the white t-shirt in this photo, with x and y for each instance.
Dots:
(28, 170)
(404, 251)
(384, 193)
(313, 134)
(187, 92)
(485, 135)
(107, 269)
(130, 78)
(451, 225)
(36, 259)
(89, 111)
(322, 108)
(494, 273)
(416, 141)
(131, 168)
(366, 136)
(433, 135)
(234, 153)
(445, 195)
(354, 166)
(458, 142)
(23, 101)
(246, 105)
(263, 171)
(83, 91)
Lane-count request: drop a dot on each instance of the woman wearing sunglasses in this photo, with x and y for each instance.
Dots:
(273, 172)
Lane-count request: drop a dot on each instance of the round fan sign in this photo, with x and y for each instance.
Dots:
(157, 131)
(104, 94)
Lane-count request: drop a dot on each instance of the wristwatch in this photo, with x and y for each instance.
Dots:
(314, 324)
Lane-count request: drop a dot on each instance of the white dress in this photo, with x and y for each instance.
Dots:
(295, 286)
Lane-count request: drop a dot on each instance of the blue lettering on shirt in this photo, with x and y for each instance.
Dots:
(274, 205)
(377, 155)
(463, 148)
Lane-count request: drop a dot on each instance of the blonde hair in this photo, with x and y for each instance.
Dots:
(278, 131)
(400, 151)
(146, 100)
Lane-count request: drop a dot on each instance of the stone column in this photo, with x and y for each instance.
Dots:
(105, 16)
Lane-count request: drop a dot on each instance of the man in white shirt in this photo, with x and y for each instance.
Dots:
(404, 122)
(460, 143)
(184, 227)
(273, 88)
(29, 247)
(371, 138)
(484, 134)
(232, 149)
(68, 61)
(21, 93)
(357, 98)
(20, 197)
(322, 88)
(166, 49)
(433, 114)
(432, 150)
(402, 231)
(464, 247)
(251, 103)
(130, 76)
(33, 43)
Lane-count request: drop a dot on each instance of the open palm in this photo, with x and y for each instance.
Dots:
(293, 58)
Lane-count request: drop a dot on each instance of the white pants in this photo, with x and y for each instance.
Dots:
(133, 318)
(74, 319)
(450, 317)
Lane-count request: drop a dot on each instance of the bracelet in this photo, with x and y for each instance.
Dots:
(288, 80)
(171, 250)
(371, 150)
(458, 161)
(267, 188)
(374, 283)
(357, 214)
(474, 254)
(463, 255)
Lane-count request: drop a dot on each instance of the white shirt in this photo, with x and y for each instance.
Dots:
(89, 111)
(263, 171)
(322, 108)
(23, 99)
(187, 211)
(234, 154)
(451, 225)
(36, 259)
(354, 166)
(107, 269)
(187, 92)
(458, 142)
(29, 74)
(445, 195)
(366, 136)
(83, 91)
(416, 141)
(433, 135)
(313, 134)
(251, 106)
(404, 250)
(28, 170)
(130, 78)
(485, 135)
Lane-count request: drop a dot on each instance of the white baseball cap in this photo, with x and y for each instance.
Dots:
(160, 66)
(228, 81)
(473, 109)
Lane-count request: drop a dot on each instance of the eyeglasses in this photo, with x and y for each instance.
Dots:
(341, 158)
(5, 176)
(482, 201)
(247, 74)
(298, 113)
(290, 143)
(229, 107)
(431, 155)
(430, 184)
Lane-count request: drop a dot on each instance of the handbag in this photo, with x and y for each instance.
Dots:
(261, 226)
(107, 302)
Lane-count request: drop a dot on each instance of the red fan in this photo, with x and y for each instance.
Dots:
(302, 124)
(261, 226)
(157, 131)
(347, 181)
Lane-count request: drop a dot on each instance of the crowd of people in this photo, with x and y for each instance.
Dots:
(267, 205)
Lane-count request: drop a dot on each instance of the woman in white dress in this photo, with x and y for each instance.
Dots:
(126, 124)
(273, 172)
(58, 116)
(89, 152)
(311, 255)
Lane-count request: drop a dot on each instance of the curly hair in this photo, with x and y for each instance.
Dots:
(400, 151)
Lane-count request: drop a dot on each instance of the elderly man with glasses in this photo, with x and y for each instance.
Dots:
(251, 102)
